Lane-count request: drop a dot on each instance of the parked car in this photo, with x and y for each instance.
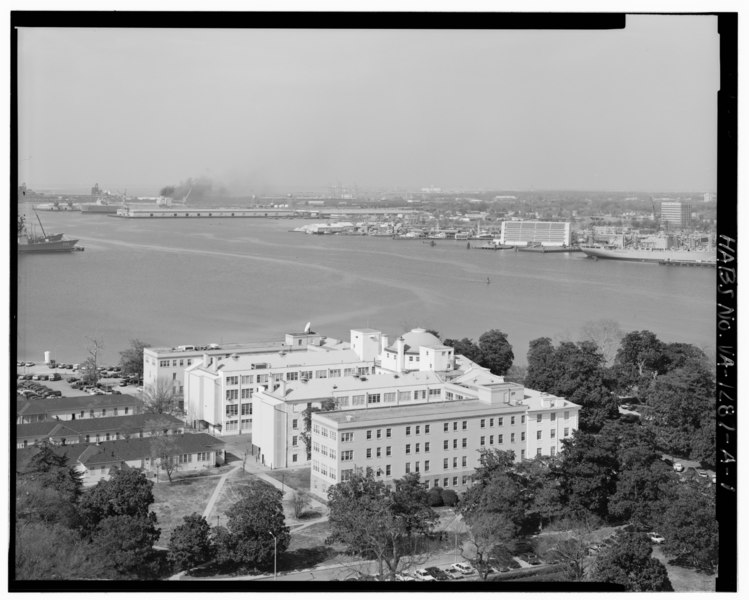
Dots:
(55, 377)
(626, 406)
(656, 538)
(453, 573)
(678, 467)
(404, 577)
(29, 364)
(464, 568)
(437, 573)
(423, 575)
(701, 472)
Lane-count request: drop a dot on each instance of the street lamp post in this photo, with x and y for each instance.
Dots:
(275, 555)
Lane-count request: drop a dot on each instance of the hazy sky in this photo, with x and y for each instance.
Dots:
(261, 110)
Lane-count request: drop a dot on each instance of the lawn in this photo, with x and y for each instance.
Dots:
(297, 479)
(180, 499)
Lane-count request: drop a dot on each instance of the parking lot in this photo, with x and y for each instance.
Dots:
(55, 379)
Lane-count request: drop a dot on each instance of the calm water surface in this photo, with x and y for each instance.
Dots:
(199, 281)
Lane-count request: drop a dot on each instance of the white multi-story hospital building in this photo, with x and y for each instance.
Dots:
(400, 407)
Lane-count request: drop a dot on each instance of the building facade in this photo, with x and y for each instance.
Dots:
(676, 214)
(545, 233)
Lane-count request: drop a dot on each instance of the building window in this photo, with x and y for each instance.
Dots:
(483, 423)
(445, 464)
(455, 444)
(408, 467)
(408, 448)
(387, 433)
(232, 410)
(465, 425)
(369, 434)
(373, 399)
(387, 469)
(292, 376)
(512, 420)
(445, 482)
(426, 429)
(522, 418)
(500, 438)
(553, 416)
(491, 422)
(408, 431)
(522, 454)
(321, 374)
(455, 481)
(418, 429)
(464, 461)
(538, 451)
(455, 462)
(553, 433)
(483, 441)
(447, 427)
(387, 451)
(491, 440)
(566, 431)
(446, 445)
(566, 414)
(417, 448)
(247, 409)
(347, 436)
(234, 380)
(346, 474)
(465, 479)
(417, 466)
(379, 434)
(553, 451)
(455, 426)
(294, 441)
(499, 421)
(512, 438)
(232, 395)
(369, 452)
(538, 434)
(379, 452)
(388, 397)
(522, 436)
(426, 446)
(538, 418)
(294, 424)
(358, 400)
(426, 466)
(347, 455)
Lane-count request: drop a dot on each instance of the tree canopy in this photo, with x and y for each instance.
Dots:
(131, 359)
(575, 372)
(630, 564)
(251, 521)
(496, 351)
(190, 544)
(375, 521)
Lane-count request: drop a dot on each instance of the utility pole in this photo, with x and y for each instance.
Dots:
(275, 555)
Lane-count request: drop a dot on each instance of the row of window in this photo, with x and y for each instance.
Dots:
(553, 433)
(320, 430)
(173, 362)
(234, 425)
(324, 470)
(92, 413)
(500, 421)
(234, 395)
(552, 416)
(232, 410)
(319, 448)
(293, 375)
(500, 439)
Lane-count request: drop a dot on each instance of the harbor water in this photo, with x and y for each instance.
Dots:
(200, 281)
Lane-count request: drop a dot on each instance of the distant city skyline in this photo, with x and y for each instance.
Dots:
(273, 111)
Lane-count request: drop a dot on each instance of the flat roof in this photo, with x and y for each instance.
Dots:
(435, 411)
(276, 360)
(318, 388)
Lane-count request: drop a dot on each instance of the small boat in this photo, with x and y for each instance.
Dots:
(28, 242)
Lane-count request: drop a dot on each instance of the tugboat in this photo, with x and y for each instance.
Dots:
(28, 242)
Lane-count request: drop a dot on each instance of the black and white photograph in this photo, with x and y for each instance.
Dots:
(373, 302)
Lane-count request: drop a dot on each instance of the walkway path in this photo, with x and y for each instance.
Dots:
(217, 491)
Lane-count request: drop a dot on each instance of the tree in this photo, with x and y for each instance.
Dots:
(377, 522)
(131, 359)
(606, 334)
(251, 521)
(90, 366)
(487, 532)
(325, 406)
(299, 502)
(124, 544)
(681, 402)
(575, 372)
(467, 348)
(496, 351)
(630, 564)
(690, 528)
(638, 361)
(160, 398)
(165, 451)
(127, 493)
(46, 551)
(588, 473)
(190, 544)
(569, 544)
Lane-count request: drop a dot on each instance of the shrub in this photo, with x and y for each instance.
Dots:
(434, 496)
(449, 498)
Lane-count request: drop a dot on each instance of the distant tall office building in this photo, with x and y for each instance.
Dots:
(676, 214)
